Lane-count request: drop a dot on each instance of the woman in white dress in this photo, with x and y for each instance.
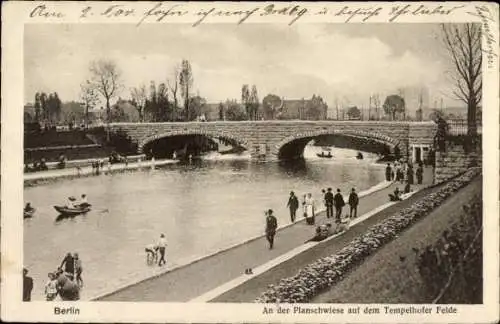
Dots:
(309, 208)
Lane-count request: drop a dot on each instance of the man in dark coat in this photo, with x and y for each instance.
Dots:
(353, 202)
(329, 203)
(388, 172)
(27, 286)
(293, 205)
(69, 264)
(339, 203)
(409, 174)
(420, 174)
(271, 226)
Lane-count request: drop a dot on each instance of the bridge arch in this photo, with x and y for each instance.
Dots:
(207, 133)
(293, 146)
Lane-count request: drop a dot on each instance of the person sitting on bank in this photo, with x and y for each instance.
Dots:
(396, 196)
(43, 166)
(322, 232)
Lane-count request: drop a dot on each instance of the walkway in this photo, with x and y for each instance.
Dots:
(84, 171)
(186, 283)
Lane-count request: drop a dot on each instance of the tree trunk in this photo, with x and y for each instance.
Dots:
(108, 119)
(471, 118)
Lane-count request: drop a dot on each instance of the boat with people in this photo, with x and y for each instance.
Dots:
(359, 156)
(66, 211)
(326, 153)
(28, 211)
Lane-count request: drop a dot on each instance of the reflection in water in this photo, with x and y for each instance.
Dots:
(201, 207)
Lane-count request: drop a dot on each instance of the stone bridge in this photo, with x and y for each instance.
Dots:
(274, 140)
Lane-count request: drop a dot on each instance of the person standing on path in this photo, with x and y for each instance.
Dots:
(69, 264)
(388, 172)
(78, 270)
(271, 226)
(329, 203)
(409, 174)
(339, 203)
(293, 205)
(27, 285)
(162, 245)
(353, 202)
(309, 208)
(420, 173)
(51, 288)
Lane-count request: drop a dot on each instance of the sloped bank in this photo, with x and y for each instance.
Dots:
(325, 272)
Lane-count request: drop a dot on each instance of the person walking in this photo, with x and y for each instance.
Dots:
(329, 203)
(353, 202)
(271, 226)
(27, 286)
(309, 209)
(293, 205)
(51, 287)
(78, 270)
(420, 173)
(69, 265)
(388, 172)
(162, 245)
(339, 203)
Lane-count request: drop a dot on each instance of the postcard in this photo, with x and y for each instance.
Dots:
(225, 162)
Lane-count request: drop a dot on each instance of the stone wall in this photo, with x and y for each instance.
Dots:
(455, 160)
(264, 139)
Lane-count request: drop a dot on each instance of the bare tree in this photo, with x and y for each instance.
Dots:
(463, 45)
(245, 100)
(89, 96)
(139, 97)
(174, 87)
(186, 82)
(106, 79)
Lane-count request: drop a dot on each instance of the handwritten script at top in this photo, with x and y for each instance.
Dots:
(163, 12)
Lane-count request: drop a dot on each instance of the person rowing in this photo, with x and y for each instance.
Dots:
(83, 202)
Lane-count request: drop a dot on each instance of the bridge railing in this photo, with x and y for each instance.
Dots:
(459, 127)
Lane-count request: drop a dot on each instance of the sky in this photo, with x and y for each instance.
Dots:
(343, 63)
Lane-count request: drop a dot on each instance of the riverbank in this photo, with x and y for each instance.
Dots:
(391, 275)
(224, 266)
(43, 177)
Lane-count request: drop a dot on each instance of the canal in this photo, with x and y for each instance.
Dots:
(201, 207)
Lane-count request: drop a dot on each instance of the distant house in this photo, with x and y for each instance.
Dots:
(313, 108)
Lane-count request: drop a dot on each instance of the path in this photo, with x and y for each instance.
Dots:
(195, 279)
(68, 172)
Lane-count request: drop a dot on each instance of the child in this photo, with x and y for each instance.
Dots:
(51, 287)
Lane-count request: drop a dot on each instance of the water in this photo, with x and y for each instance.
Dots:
(201, 208)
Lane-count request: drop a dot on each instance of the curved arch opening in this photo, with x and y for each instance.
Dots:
(294, 149)
(196, 145)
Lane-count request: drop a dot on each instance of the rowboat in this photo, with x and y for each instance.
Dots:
(65, 211)
(327, 153)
